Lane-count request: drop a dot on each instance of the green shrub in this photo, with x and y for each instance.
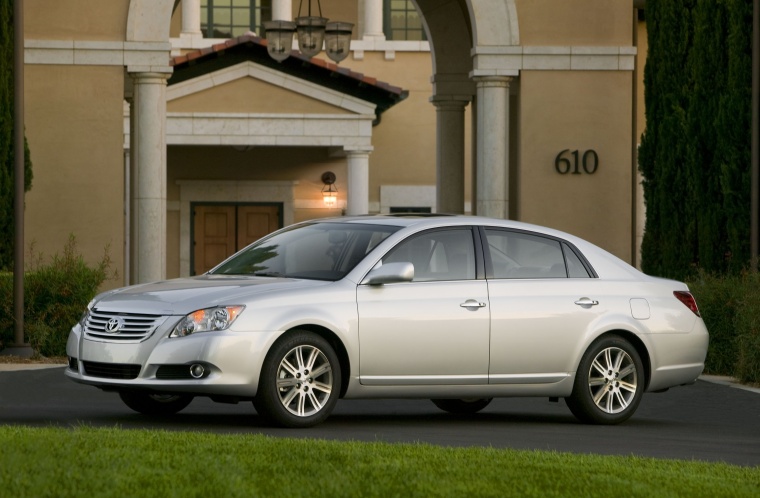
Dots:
(55, 296)
(748, 333)
(717, 300)
(6, 309)
(730, 307)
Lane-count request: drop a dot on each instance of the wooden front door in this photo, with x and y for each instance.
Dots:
(220, 230)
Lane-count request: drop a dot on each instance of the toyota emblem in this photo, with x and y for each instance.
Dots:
(114, 325)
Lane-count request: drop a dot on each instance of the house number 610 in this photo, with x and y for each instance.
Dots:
(588, 164)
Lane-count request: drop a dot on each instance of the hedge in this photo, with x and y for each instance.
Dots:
(730, 307)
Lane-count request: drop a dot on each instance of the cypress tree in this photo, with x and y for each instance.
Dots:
(695, 153)
(734, 134)
(707, 73)
(663, 146)
(6, 138)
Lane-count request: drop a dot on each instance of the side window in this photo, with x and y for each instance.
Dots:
(521, 255)
(575, 268)
(437, 255)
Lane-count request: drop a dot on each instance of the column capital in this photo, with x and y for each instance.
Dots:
(492, 80)
(450, 102)
(356, 150)
(146, 76)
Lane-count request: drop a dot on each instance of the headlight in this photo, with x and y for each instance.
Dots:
(207, 320)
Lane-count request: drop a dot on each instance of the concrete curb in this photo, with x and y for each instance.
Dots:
(728, 381)
(13, 367)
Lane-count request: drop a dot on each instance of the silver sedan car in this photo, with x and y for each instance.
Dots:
(452, 308)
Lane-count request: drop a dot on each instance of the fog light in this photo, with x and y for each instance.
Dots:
(197, 370)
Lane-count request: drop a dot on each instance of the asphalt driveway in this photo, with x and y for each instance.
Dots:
(707, 421)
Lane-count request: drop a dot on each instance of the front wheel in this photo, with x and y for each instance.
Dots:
(300, 381)
(462, 406)
(609, 382)
(155, 404)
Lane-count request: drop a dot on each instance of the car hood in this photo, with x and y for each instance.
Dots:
(184, 295)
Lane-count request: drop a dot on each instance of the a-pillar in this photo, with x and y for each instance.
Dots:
(450, 153)
(492, 143)
(358, 181)
(373, 20)
(148, 177)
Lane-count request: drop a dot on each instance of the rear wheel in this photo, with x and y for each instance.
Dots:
(462, 406)
(609, 382)
(300, 381)
(155, 404)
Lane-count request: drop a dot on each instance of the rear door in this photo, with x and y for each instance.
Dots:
(537, 287)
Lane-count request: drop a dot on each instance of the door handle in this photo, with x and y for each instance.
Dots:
(586, 302)
(472, 303)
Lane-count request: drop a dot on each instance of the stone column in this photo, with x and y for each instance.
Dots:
(191, 18)
(373, 20)
(358, 181)
(492, 143)
(449, 153)
(148, 177)
(282, 10)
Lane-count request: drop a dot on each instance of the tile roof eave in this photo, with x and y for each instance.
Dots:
(351, 82)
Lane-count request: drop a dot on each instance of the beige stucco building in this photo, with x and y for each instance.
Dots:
(162, 129)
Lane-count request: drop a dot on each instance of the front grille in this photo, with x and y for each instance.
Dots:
(173, 372)
(111, 370)
(120, 327)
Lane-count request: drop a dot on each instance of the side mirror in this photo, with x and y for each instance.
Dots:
(390, 273)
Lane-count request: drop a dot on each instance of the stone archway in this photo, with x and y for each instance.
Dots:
(468, 41)
(149, 20)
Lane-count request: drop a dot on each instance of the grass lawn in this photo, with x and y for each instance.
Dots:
(41, 462)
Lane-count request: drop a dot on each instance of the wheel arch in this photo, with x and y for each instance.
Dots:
(637, 343)
(337, 345)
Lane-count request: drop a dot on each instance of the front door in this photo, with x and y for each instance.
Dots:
(220, 230)
(433, 330)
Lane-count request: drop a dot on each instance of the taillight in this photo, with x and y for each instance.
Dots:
(688, 300)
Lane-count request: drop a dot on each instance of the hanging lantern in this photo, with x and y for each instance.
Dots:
(311, 34)
(338, 40)
(314, 32)
(279, 35)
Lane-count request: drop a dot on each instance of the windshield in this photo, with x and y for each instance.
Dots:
(318, 251)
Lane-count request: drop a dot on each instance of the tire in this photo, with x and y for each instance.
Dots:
(155, 404)
(290, 394)
(609, 382)
(462, 406)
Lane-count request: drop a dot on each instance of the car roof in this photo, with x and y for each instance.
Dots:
(427, 220)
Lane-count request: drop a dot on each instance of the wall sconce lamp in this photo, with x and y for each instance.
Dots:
(313, 31)
(329, 190)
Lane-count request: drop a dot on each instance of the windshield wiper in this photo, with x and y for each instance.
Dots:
(267, 274)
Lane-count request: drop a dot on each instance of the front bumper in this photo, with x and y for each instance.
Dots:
(232, 362)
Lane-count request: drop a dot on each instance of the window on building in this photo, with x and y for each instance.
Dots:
(402, 21)
(232, 18)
